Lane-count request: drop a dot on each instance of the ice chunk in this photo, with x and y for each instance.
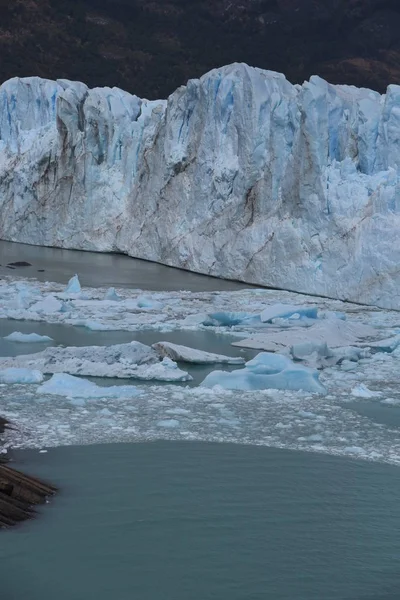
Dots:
(229, 319)
(192, 355)
(62, 384)
(287, 311)
(28, 338)
(74, 286)
(112, 295)
(148, 302)
(266, 363)
(267, 371)
(361, 391)
(166, 370)
(20, 375)
(133, 360)
(386, 345)
(49, 304)
(302, 350)
(199, 319)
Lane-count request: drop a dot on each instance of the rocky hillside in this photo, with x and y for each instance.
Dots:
(150, 47)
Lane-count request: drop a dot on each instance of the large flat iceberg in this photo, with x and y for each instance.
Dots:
(238, 175)
(130, 361)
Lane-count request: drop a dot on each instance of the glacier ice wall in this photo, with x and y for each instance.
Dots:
(238, 175)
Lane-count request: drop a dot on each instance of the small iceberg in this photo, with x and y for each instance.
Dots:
(62, 384)
(112, 296)
(74, 286)
(20, 375)
(27, 338)
(267, 371)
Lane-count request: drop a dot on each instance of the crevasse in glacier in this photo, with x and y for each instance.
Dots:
(238, 174)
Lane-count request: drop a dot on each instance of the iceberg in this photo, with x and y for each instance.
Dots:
(267, 371)
(73, 286)
(111, 295)
(20, 375)
(191, 355)
(130, 361)
(27, 338)
(239, 174)
(62, 384)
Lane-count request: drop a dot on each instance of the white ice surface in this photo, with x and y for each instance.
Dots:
(192, 355)
(133, 360)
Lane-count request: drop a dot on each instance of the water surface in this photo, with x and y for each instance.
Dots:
(180, 521)
(97, 269)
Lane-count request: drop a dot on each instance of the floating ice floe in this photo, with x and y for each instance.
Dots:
(74, 286)
(267, 371)
(62, 384)
(192, 355)
(27, 338)
(333, 332)
(48, 305)
(133, 360)
(20, 375)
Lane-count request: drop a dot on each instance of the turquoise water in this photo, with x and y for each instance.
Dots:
(180, 521)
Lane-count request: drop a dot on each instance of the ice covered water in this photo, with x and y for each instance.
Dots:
(348, 353)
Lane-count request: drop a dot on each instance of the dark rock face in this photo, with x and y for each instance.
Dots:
(19, 493)
(150, 48)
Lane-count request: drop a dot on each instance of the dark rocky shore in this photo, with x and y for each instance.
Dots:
(19, 493)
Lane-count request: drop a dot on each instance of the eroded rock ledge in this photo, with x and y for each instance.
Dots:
(19, 493)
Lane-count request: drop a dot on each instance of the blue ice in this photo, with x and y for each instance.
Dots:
(288, 311)
(267, 371)
(74, 286)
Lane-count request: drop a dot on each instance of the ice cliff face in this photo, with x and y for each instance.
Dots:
(239, 175)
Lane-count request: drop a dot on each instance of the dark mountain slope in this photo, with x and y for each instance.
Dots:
(152, 47)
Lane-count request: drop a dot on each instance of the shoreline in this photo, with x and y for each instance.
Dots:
(19, 493)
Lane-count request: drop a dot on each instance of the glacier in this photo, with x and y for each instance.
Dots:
(239, 174)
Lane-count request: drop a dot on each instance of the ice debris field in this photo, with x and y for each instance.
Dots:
(314, 361)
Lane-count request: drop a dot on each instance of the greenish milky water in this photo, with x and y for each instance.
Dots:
(195, 521)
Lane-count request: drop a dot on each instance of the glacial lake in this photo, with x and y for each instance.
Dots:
(179, 520)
